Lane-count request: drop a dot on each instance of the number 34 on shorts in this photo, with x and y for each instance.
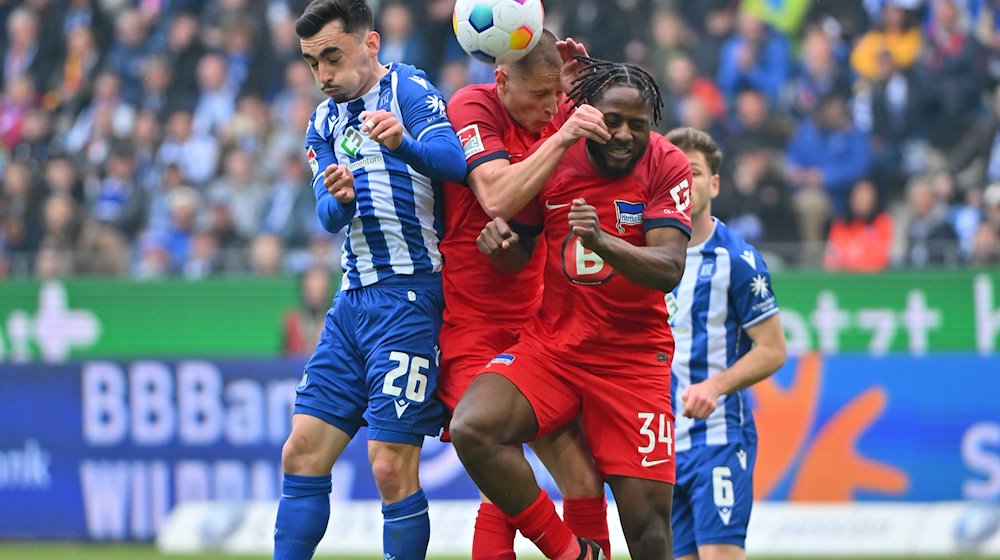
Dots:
(656, 433)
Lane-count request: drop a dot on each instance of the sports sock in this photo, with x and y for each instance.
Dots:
(493, 538)
(540, 523)
(406, 529)
(588, 518)
(303, 513)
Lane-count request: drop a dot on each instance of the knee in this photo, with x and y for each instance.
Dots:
(395, 472)
(652, 539)
(298, 457)
(472, 430)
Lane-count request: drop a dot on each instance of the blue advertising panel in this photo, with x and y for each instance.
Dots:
(103, 450)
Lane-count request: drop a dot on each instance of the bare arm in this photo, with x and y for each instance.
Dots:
(508, 250)
(658, 265)
(504, 188)
(765, 358)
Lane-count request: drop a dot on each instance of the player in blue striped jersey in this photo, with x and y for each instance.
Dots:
(728, 336)
(378, 149)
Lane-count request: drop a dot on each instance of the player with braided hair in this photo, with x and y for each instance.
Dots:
(616, 221)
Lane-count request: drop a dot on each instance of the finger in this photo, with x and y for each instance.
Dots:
(393, 130)
(502, 228)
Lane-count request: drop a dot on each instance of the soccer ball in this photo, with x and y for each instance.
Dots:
(498, 31)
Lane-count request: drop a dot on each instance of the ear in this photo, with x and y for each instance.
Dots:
(501, 76)
(715, 185)
(373, 42)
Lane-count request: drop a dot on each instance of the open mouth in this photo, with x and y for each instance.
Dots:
(622, 153)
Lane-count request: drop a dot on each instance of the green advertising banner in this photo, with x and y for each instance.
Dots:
(55, 321)
(900, 312)
(906, 312)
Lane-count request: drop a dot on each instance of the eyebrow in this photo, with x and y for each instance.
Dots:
(327, 51)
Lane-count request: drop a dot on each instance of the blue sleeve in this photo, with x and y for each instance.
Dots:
(433, 149)
(332, 214)
(750, 293)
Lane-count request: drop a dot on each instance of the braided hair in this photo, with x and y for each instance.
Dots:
(597, 75)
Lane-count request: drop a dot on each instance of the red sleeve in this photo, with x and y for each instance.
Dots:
(479, 125)
(670, 188)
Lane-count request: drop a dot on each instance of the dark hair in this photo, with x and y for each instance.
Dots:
(355, 15)
(597, 75)
(693, 140)
(543, 54)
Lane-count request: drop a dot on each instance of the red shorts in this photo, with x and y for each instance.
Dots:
(465, 351)
(626, 415)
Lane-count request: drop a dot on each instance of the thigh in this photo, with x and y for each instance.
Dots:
(398, 335)
(628, 423)
(333, 386)
(554, 403)
(465, 351)
(722, 492)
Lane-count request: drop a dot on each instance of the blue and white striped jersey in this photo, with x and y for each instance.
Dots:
(395, 223)
(726, 289)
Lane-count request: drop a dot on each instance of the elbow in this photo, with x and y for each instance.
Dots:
(673, 270)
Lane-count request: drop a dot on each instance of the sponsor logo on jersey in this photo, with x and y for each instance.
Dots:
(759, 286)
(550, 206)
(365, 162)
(472, 141)
(725, 514)
(311, 158)
(304, 382)
(352, 141)
(505, 359)
(401, 406)
(647, 463)
(741, 455)
(747, 256)
(629, 214)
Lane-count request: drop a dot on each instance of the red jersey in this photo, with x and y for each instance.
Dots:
(487, 132)
(591, 314)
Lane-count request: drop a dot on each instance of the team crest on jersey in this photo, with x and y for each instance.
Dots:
(352, 141)
(629, 214)
(707, 269)
(472, 141)
(311, 158)
(759, 286)
(385, 100)
(505, 359)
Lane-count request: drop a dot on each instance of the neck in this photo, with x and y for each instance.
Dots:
(701, 227)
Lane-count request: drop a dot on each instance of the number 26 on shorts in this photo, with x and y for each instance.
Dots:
(656, 428)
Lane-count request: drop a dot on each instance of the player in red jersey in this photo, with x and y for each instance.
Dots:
(497, 125)
(616, 223)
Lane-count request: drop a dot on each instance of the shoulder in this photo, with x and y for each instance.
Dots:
(746, 259)
(410, 81)
(322, 119)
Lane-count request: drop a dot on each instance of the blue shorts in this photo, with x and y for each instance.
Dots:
(377, 361)
(713, 496)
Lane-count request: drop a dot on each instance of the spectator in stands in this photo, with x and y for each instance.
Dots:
(266, 255)
(195, 154)
(951, 74)
(216, 95)
(817, 75)
(101, 250)
(183, 51)
(118, 201)
(242, 191)
(926, 235)
(784, 15)
(758, 206)
(754, 126)
(129, 52)
(153, 259)
(861, 241)
(106, 118)
(20, 209)
(290, 210)
(24, 54)
(18, 100)
(71, 83)
(757, 57)
(683, 82)
(976, 155)
(304, 324)
(84, 14)
(717, 24)
(184, 204)
(670, 38)
(62, 177)
(205, 259)
(155, 95)
(399, 38)
(35, 144)
(887, 108)
(897, 33)
(825, 157)
(60, 224)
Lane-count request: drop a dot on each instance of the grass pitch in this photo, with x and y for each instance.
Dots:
(74, 551)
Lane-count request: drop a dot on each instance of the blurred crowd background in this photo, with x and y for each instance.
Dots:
(163, 138)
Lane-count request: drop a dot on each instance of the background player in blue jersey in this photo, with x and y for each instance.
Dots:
(377, 149)
(728, 336)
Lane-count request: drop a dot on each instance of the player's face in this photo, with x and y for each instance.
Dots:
(706, 184)
(532, 98)
(629, 120)
(343, 64)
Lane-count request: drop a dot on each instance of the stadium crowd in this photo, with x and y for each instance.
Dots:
(156, 138)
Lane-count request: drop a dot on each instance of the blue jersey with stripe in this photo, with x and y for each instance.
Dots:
(395, 223)
(725, 290)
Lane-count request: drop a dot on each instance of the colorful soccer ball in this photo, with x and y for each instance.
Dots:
(498, 31)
